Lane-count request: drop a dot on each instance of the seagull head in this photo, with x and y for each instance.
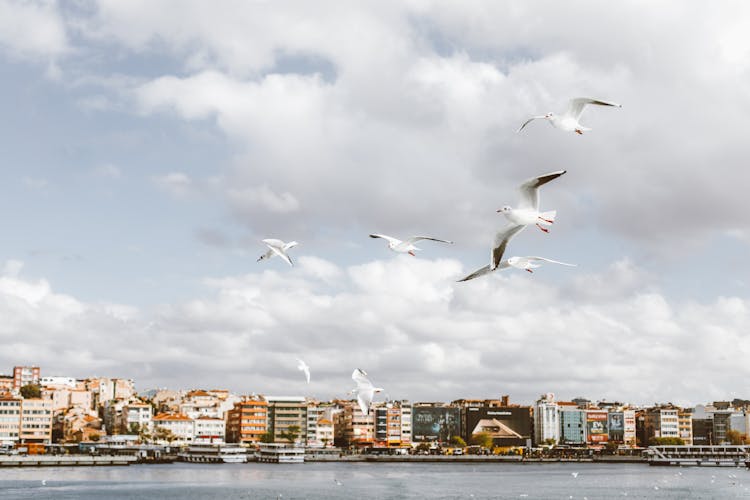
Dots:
(549, 115)
(504, 210)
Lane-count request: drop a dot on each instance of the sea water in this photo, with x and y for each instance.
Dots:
(376, 480)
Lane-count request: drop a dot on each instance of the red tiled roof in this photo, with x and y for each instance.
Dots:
(171, 416)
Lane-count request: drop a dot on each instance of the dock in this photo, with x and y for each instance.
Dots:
(65, 460)
(714, 456)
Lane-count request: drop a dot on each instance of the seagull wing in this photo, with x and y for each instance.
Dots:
(271, 242)
(550, 260)
(479, 272)
(501, 242)
(527, 122)
(364, 400)
(391, 239)
(280, 252)
(530, 189)
(360, 377)
(420, 238)
(575, 106)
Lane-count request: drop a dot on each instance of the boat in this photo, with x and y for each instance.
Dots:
(214, 453)
(275, 453)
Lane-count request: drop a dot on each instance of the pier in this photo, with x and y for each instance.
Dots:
(65, 460)
(715, 456)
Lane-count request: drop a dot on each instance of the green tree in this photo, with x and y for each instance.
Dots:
(164, 434)
(734, 437)
(423, 447)
(31, 391)
(458, 441)
(134, 428)
(483, 439)
(267, 437)
(665, 441)
(291, 433)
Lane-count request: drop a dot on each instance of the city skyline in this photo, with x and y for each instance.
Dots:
(145, 155)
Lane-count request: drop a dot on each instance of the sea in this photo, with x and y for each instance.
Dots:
(376, 481)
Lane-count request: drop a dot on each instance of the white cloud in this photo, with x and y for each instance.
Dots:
(32, 29)
(405, 321)
(108, 170)
(177, 184)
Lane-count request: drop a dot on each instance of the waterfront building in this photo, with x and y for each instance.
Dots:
(352, 427)
(211, 429)
(407, 417)
(661, 422)
(320, 423)
(629, 427)
(181, 426)
(285, 413)
(435, 422)
(596, 426)
(387, 424)
(200, 403)
(685, 425)
(572, 423)
(135, 417)
(36, 421)
(509, 425)
(25, 375)
(10, 419)
(247, 421)
(546, 420)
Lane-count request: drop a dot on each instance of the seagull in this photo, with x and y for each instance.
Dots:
(338, 483)
(406, 246)
(278, 247)
(527, 211)
(302, 366)
(525, 263)
(44, 482)
(574, 474)
(568, 121)
(365, 391)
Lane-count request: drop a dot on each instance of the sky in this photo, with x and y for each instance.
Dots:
(146, 148)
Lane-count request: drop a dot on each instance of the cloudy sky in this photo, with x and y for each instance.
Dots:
(147, 148)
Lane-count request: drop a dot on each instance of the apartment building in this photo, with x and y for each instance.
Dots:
(284, 413)
(36, 421)
(247, 421)
(10, 419)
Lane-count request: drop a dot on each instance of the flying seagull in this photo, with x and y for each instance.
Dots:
(406, 246)
(278, 247)
(568, 121)
(365, 391)
(527, 211)
(525, 263)
(302, 366)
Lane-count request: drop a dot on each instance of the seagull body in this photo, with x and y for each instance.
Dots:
(365, 391)
(302, 366)
(406, 246)
(527, 212)
(569, 121)
(278, 247)
(525, 263)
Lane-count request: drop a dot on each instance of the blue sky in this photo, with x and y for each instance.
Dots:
(147, 151)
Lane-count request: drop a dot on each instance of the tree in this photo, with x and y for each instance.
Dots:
(95, 437)
(734, 437)
(458, 441)
(291, 433)
(423, 447)
(267, 437)
(164, 434)
(665, 441)
(134, 428)
(483, 439)
(31, 391)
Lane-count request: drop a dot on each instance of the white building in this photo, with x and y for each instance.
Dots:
(209, 429)
(181, 426)
(136, 415)
(546, 419)
(69, 382)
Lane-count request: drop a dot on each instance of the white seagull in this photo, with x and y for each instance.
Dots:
(365, 391)
(302, 366)
(278, 247)
(527, 211)
(568, 121)
(406, 246)
(525, 263)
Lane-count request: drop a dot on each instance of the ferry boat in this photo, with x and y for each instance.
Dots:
(275, 453)
(214, 453)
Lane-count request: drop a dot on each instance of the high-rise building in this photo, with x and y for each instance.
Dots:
(247, 422)
(10, 419)
(285, 414)
(352, 427)
(546, 420)
(25, 375)
(36, 421)
(572, 423)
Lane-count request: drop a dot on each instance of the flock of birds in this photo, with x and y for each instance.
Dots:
(527, 212)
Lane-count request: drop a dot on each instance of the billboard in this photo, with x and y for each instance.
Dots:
(435, 423)
(596, 426)
(508, 426)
